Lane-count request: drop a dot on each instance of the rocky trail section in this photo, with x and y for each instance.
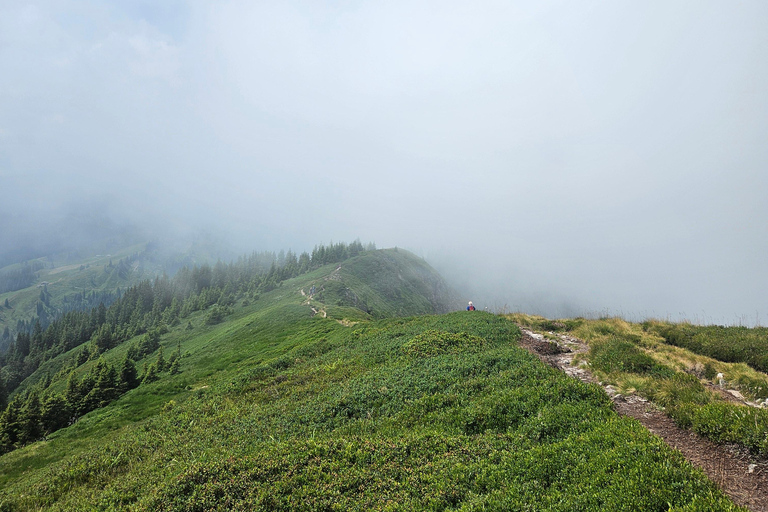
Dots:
(741, 476)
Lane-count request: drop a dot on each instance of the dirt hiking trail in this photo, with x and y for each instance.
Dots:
(741, 476)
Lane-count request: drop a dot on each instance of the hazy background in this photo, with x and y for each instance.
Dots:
(563, 158)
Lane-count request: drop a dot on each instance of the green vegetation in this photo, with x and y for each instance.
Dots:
(283, 388)
(393, 284)
(149, 309)
(13, 279)
(636, 358)
(42, 292)
(617, 355)
(310, 414)
(728, 344)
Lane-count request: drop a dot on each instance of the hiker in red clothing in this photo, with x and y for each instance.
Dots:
(471, 307)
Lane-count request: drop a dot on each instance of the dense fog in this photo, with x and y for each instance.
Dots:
(562, 158)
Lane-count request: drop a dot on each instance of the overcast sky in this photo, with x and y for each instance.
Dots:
(558, 157)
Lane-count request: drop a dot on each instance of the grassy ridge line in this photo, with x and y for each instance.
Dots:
(396, 283)
(637, 360)
(432, 412)
(207, 349)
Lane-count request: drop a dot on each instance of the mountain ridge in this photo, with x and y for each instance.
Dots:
(310, 392)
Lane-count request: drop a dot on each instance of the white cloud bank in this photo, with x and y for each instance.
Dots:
(559, 156)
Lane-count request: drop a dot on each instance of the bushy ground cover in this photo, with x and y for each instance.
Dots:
(425, 413)
(733, 344)
(637, 358)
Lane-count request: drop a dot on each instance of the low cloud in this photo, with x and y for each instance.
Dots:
(555, 158)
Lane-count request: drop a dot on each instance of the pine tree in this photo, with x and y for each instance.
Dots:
(82, 357)
(56, 412)
(73, 394)
(107, 383)
(31, 420)
(160, 361)
(10, 425)
(150, 375)
(129, 378)
(175, 367)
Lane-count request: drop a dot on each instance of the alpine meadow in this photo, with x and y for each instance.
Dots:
(332, 380)
(383, 255)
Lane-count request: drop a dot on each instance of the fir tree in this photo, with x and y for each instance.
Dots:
(160, 361)
(129, 378)
(31, 420)
(150, 375)
(56, 412)
(175, 367)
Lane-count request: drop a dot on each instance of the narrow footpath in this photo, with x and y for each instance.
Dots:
(740, 475)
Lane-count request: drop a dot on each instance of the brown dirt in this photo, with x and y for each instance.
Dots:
(741, 476)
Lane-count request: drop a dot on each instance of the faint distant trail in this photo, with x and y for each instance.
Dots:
(308, 303)
(727, 465)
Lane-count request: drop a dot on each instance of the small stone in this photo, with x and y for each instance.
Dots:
(751, 468)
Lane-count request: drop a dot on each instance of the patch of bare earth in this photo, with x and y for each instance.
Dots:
(741, 476)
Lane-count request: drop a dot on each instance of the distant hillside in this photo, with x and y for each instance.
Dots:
(45, 288)
(386, 283)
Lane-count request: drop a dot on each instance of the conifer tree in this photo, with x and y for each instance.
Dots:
(175, 367)
(82, 357)
(174, 362)
(129, 378)
(160, 361)
(3, 394)
(56, 412)
(31, 420)
(150, 375)
(10, 426)
(73, 394)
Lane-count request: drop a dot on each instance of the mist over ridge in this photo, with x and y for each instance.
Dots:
(551, 158)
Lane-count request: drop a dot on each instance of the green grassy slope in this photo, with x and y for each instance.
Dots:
(393, 282)
(409, 287)
(304, 403)
(286, 413)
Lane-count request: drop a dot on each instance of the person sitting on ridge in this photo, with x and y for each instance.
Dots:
(471, 307)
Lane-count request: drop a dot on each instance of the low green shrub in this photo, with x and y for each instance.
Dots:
(680, 388)
(685, 398)
(728, 344)
(434, 342)
(726, 423)
(618, 355)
